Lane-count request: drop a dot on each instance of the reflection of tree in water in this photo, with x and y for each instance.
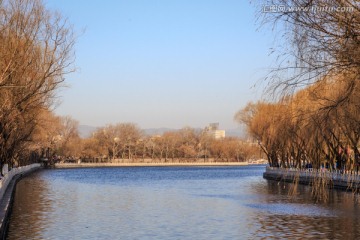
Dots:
(281, 215)
(42, 201)
(30, 208)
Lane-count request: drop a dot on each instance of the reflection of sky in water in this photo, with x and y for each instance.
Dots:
(174, 203)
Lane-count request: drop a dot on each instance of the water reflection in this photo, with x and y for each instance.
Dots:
(33, 202)
(175, 203)
(281, 215)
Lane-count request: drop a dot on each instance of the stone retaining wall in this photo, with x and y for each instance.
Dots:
(154, 164)
(335, 179)
(7, 189)
(4, 182)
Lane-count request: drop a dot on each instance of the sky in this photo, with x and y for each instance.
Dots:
(163, 63)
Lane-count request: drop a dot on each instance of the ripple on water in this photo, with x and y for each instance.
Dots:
(294, 209)
(173, 203)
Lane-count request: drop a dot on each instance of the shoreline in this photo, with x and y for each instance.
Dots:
(8, 188)
(336, 180)
(142, 164)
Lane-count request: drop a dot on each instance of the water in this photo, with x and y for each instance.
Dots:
(175, 203)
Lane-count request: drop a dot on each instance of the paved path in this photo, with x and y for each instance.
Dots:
(159, 164)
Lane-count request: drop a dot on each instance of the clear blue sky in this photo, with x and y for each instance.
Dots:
(163, 63)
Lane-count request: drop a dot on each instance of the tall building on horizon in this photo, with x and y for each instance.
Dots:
(213, 130)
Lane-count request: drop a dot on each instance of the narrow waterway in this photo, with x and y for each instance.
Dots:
(175, 203)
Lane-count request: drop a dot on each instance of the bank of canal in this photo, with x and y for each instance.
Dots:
(233, 202)
(7, 188)
(333, 179)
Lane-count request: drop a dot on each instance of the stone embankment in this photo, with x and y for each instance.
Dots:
(146, 164)
(335, 179)
(7, 190)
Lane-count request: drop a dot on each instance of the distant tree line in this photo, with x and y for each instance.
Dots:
(125, 142)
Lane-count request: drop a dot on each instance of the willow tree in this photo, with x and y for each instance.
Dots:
(303, 129)
(319, 39)
(319, 54)
(36, 51)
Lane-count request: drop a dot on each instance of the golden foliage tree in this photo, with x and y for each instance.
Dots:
(35, 53)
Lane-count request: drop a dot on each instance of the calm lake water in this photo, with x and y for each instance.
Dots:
(175, 203)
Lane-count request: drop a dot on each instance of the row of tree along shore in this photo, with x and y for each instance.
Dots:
(313, 117)
(300, 132)
(125, 142)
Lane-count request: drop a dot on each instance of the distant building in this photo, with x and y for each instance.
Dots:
(218, 134)
(213, 130)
